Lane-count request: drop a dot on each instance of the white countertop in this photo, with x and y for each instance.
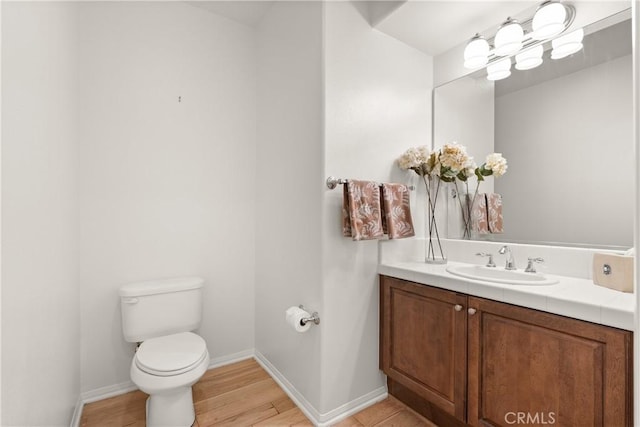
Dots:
(572, 297)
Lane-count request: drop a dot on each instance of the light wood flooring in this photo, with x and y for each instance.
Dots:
(243, 394)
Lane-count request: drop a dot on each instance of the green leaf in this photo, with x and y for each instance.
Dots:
(479, 175)
(462, 176)
(485, 172)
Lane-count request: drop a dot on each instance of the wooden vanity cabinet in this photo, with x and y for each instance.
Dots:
(494, 364)
(424, 342)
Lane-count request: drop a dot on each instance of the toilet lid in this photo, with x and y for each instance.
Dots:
(171, 354)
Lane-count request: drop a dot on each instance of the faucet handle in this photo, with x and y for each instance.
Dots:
(490, 263)
(530, 267)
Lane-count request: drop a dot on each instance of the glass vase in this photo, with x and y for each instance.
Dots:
(433, 248)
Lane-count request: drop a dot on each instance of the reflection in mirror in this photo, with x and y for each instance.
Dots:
(566, 129)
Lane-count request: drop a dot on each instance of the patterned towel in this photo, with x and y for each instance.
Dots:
(396, 219)
(479, 222)
(361, 210)
(494, 212)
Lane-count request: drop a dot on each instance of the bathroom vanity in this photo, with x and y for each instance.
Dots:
(470, 352)
(495, 348)
(457, 358)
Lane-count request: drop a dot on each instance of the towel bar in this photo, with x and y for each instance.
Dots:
(332, 182)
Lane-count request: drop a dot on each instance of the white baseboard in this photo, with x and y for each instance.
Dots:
(231, 358)
(125, 387)
(107, 392)
(77, 413)
(305, 406)
(99, 394)
(340, 413)
(317, 418)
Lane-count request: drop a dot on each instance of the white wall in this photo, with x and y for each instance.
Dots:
(594, 195)
(288, 190)
(227, 184)
(167, 187)
(40, 306)
(378, 104)
(0, 217)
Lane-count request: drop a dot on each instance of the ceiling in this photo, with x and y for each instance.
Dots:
(437, 26)
(432, 26)
(245, 12)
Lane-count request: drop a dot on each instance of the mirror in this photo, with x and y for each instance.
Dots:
(566, 129)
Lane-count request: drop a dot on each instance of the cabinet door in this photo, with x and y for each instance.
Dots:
(535, 368)
(423, 342)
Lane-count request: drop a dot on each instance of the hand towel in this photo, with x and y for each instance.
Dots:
(396, 210)
(361, 210)
(494, 212)
(479, 221)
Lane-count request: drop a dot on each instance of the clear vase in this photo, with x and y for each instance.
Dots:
(433, 248)
(467, 209)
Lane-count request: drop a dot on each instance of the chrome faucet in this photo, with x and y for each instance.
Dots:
(511, 262)
(490, 263)
(530, 267)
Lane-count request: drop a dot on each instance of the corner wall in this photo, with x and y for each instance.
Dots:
(40, 305)
(167, 167)
(378, 104)
(288, 190)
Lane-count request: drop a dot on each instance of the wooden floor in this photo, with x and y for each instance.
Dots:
(242, 394)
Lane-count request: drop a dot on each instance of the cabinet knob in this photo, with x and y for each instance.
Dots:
(457, 307)
(472, 311)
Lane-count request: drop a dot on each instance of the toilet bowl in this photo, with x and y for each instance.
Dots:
(160, 315)
(165, 368)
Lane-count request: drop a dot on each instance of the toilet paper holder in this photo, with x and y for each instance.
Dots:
(314, 317)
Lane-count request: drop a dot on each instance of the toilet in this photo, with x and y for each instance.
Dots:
(160, 315)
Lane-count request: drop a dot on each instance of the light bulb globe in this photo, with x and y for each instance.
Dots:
(499, 70)
(508, 39)
(548, 21)
(476, 53)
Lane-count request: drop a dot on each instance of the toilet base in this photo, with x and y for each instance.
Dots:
(173, 409)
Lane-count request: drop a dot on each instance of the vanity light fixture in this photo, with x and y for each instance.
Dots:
(523, 39)
(567, 44)
(530, 58)
(499, 70)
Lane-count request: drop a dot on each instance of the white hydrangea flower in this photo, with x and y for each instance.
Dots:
(454, 157)
(414, 157)
(496, 163)
(470, 168)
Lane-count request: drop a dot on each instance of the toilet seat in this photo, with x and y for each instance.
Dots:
(171, 355)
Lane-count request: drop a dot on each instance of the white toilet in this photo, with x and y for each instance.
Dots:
(161, 314)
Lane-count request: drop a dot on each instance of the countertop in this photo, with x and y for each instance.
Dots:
(571, 297)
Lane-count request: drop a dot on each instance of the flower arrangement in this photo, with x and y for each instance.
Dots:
(495, 165)
(442, 165)
(450, 163)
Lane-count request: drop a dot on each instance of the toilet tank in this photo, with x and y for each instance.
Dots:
(160, 307)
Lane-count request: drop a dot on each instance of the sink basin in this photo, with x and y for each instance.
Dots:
(500, 275)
